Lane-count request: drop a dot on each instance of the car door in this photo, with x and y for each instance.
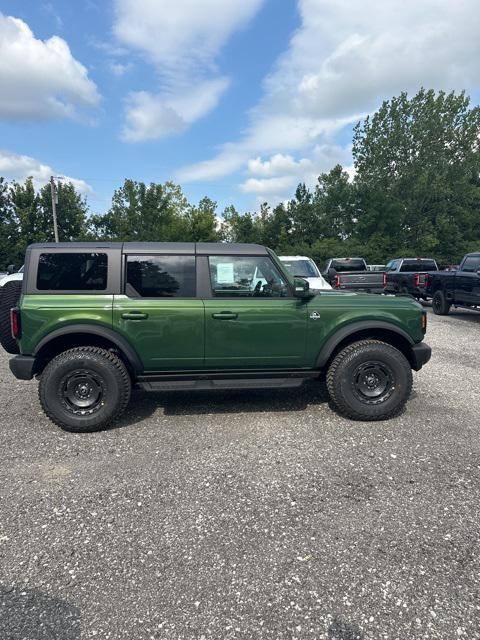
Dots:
(159, 313)
(467, 281)
(252, 320)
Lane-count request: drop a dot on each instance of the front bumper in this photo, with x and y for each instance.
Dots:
(421, 354)
(22, 367)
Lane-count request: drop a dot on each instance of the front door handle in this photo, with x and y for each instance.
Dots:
(134, 315)
(225, 315)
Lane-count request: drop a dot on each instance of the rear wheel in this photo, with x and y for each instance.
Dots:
(440, 305)
(369, 380)
(9, 296)
(84, 389)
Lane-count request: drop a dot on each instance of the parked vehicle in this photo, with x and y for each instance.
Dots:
(458, 288)
(352, 274)
(409, 276)
(95, 318)
(8, 294)
(304, 267)
(376, 267)
(10, 276)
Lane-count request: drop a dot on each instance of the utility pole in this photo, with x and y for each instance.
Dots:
(53, 189)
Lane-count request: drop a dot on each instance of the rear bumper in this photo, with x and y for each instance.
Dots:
(421, 354)
(22, 367)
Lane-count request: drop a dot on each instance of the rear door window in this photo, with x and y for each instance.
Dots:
(72, 271)
(160, 276)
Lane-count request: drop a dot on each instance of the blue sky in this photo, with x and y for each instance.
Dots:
(235, 99)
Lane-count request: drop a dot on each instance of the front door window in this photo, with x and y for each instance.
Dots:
(246, 277)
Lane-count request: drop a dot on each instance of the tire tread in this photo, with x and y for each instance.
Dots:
(98, 351)
(337, 399)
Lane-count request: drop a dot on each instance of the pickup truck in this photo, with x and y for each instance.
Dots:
(459, 288)
(409, 276)
(352, 274)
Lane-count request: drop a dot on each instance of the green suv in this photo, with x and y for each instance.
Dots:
(92, 319)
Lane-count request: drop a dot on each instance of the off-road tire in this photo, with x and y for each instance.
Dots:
(343, 380)
(440, 305)
(104, 369)
(9, 296)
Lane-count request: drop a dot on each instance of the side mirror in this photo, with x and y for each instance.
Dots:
(11, 269)
(302, 288)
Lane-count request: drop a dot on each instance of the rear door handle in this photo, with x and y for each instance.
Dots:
(225, 315)
(134, 315)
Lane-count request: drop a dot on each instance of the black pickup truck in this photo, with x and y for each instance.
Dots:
(409, 276)
(459, 288)
(352, 274)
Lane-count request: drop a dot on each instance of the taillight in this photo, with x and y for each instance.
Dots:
(337, 282)
(385, 279)
(15, 325)
(416, 279)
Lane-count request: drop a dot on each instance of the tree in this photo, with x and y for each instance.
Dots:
(418, 161)
(156, 212)
(8, 227)
(202, 222)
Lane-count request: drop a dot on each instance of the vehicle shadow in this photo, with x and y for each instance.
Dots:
(465, 315)
(174, 403)
(28, 613)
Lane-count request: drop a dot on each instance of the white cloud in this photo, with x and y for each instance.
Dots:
(18, 167)
(278, 163)
(181, 37)
(151, 116)
(119, 68)
(267, 186)
(182, 40)
(40, 79)
(345, 58)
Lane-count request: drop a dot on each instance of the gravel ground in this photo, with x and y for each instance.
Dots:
(248, 515)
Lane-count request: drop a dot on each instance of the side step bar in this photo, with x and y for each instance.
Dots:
(225, 380)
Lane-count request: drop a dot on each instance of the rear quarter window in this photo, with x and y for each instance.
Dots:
(72, 271)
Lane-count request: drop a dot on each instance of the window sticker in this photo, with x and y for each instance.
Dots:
(225, 273)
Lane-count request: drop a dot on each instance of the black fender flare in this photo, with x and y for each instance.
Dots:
(96, 330)
(355, 327)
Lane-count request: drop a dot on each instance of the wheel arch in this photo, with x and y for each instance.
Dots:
(86, 335)
(384, 331)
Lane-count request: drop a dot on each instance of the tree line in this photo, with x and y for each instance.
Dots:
(415, 191)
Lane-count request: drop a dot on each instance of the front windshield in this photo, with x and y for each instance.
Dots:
(301, 268)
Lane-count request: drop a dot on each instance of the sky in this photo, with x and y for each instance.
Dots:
(239, 100)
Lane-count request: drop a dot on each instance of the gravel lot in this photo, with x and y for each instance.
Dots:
(248, 515)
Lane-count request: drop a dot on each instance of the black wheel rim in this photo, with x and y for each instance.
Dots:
(373, 382)
(82, 392)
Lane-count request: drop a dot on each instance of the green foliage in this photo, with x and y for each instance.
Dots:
(416, 191)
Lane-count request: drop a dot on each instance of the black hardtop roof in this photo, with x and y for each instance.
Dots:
(189, 248)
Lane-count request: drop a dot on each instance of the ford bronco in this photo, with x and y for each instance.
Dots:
(92, 319)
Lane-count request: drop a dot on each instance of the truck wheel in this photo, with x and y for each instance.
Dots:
(369, 380)
(440, 305)
(84, 389)
(10, 295)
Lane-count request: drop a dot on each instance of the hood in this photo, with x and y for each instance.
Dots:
(318, 283)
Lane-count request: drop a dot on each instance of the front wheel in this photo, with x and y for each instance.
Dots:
(84, 389)
(369, 380)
